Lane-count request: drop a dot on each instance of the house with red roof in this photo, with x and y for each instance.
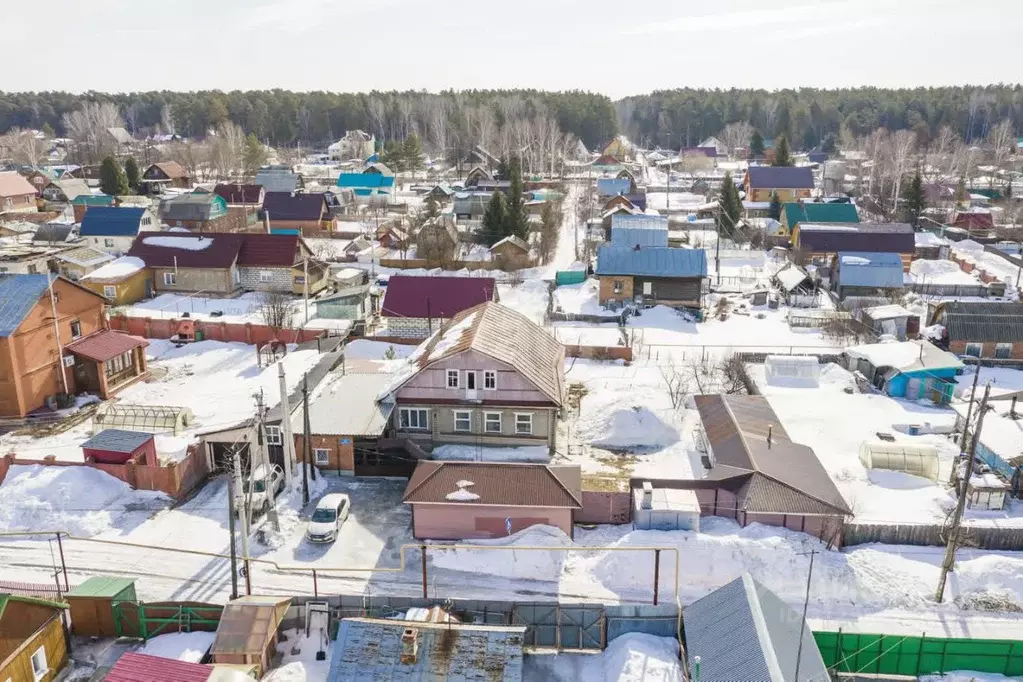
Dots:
(416, 307)
(222, 264)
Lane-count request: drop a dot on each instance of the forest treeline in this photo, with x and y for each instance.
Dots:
(450, 121)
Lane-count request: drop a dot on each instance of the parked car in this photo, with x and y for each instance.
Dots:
(261, 481)
(330, 513)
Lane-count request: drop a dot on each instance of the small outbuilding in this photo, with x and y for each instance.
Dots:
(910, 458)
(247, 634)
(907, 369)
(859, 273)
(33, 641)
(92, 605)
(122, 281)
(114, 446)
(665, 509)
(795, 371)
(892, 319)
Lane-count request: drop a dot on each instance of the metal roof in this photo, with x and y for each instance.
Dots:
(780, 177)
(629, 236)
(370, 649)
(18, 295)
(981, 321)
(437, 297)
(743, 631)
(651, 261)
(870, 237)
(294, 206)
(277, 179)
(136, 667)
(102, 586)
(347, 407)
(193, 206)
(12, 184)
(877, 270)
(53, 232)
(800, 212)
(111, 221)
(365, 180)
(116, 440)
(495, 483)
(609, 187)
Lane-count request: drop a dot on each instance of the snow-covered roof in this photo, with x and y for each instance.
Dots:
(124, 266)
(886, 312)
(905, 356)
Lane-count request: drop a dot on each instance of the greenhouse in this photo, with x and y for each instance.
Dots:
(910, 458)
(793, 370)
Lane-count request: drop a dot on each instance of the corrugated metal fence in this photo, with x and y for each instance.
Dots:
(930, 535)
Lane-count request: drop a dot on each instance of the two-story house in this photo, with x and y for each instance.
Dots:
(164, 174)
(489, 377)
(201, 212)
(790, 183)
(113, 228)
(415, 307)
(16, 193)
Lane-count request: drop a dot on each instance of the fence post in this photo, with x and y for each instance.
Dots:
(422, 550)
(657, 572)
(316, 590)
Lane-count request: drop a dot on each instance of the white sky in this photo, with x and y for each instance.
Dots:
(617, 47)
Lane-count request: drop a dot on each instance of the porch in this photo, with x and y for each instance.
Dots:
(108, 361)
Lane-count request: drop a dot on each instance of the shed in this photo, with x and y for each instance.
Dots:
(247, 633)
(987, 492)
(92, 605)
(910, 458)
(890, 319)
(114, 446)
(794, 371)
(33, 641)
(665, 509)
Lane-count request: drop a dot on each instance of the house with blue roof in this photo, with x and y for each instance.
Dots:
(610, 187)
(112, 229)
(376, 180)
(650, 275)
(859, 273)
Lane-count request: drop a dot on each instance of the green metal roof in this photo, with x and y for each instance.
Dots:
(102, 586)
(5, 598)
(809, 212)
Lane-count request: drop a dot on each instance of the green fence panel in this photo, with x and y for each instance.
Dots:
(900, 655)
(563, 277)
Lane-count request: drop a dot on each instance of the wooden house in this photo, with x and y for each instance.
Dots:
(790, 183)
(122, 281)
(201, 212)
(16, 194)
(34, 645)
(437, 241)
(164, 175)
(512, 253)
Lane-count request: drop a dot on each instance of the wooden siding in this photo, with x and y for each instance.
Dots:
(128, 291)
(669, 289)
(431, 383)
(17, 660)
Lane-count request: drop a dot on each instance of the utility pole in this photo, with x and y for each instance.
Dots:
(802, 623)
(953, 537)
(245, 520)
(264, 463)
(230, 524)
(305, 286)
(966, 424)
(306, 450)
(289, 441)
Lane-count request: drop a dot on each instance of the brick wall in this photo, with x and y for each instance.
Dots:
(959, 348)
(280, 279)
(607, 289)
(342, 457)
(412, 327)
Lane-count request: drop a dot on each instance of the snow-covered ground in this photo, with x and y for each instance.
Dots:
(581, 299)
(528, 297)
(180, 646)
(633, 657)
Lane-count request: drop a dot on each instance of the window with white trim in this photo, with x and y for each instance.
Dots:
(523, 424)
(412, 418)
(452, 378)
(470, 380)
(39, 667)
(492, 422)
(975, 349)
(463, 421)
(273, 435)
(109, 291)
(1003, 351)
(322, 457)
(489, 380)
(76, 329)
(265, 276)
(170, 279)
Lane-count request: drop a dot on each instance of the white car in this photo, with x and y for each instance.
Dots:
(263, 481)
(331, 511)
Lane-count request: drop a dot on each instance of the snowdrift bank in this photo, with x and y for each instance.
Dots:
(633, 657)
(531, 564)
(612, 419)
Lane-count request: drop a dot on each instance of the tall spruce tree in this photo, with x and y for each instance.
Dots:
(782, 153)
(131, 172)
(112, 180)
(494, 220)
(914, 200)
(756, 145)
(774, 209)
(412, 153)
(731, 206)
(516, 222)
(961, 191)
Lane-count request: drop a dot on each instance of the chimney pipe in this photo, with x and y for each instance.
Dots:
(770, 433)
(409, 646)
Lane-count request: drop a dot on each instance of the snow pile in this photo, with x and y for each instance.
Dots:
(529, 298)
(185, 243)
(303, 666)
(117, 268)
(180, 646)
(621, 420)
(580, 299)
(289, 507)
(637, 657)
(940, 272)
(364, 349)
(968, 246)
(471, 453)
(899, 354)
(452, 336)
(529, 564)
(462, 494)
(966, 676)
(79, 499)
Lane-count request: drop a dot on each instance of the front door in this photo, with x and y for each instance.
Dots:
(470, 385)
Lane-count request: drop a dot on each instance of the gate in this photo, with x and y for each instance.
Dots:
(552, 626)
(385, 462)
(143, 621)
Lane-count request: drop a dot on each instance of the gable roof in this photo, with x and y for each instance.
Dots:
(514, 241)
(780, 177)
(437, 297)
(53, 232)
(365, 180)
(83, 256)
(20, 293)
(172, 169)
(866, 237)
(118, 440)
(981, 321)
(120, 135)
(12, 185)
(216, 250)
(743, 631)
(651, 261)
(111, 221)
(905, 356)
(294, 206)
(861, 269)
(780, 477)
(134, 666)
(277, 179)
(191, 206)
(72, 187)
(814, 212)
(495, 483)
(239, 193)
(503, 334)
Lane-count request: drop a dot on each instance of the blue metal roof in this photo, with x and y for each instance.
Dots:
(641, 236)
(861, 269)
(365, 180)
(111, 221)
(654, 261)
(18, 295)
(369, 650)
(609, 187)
(639, 220)
(118, 440)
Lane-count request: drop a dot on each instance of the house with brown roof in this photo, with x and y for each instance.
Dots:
(297, 211)
(241, 194)
(33, 641)
(221, 264)
(489, 376)
(16, 194)
(757, 474)
(512, 253)
(415, 307)
(437, 241)
(474, 500)
(163, 175)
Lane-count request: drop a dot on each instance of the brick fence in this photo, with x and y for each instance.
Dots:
(176, 479)
(212, 330)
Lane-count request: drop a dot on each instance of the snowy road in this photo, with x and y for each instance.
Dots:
(572, 232)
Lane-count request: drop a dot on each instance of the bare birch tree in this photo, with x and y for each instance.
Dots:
(22, 147)
(736, 135)
(87, 128)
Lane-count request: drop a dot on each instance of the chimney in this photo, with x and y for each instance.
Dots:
(648, 496)
(1012, 408)
(636, 247)
(409, 646)
(770, 433)
(696, 669)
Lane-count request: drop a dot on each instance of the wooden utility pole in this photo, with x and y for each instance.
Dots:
(245, 520)
(802, 623)
(230, 525)
(948, 564)
(306, 450)
(966, 424)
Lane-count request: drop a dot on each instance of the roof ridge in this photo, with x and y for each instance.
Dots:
(439, 465)
(561, 483)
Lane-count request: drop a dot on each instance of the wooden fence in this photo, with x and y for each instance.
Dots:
(211, 330)
(931, 535)
(605, 506)
(599, 352)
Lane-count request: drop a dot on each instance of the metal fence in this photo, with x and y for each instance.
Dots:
(931, 535)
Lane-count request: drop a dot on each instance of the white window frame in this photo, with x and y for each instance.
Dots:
(978, 346)
(619, 286)
(475, 380)
(452, 374)
(73, 325)
(405, 420)
(648, 288)
(265, 276)
(529, 418)
(109, 291)
(490, 380)
(321, 457)
(467, 419)
(39, 670)
(487, 422)
(1003, 347)
(273, 435)
(170, 279)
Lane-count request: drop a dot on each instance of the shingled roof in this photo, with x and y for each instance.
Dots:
(768, 476)
(496, 483)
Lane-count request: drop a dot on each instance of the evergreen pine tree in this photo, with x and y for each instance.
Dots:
(47, 130)
(254, 155)
(516, 222)
(131, 172)
(731, 206)
(393, 156)
(914, 200)
(112, 180)
(774, 210)
(494, 220)
(961, 191)
(412, 153)
(431, 209)
(782, 154)
(502, 170)
(756, 145)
